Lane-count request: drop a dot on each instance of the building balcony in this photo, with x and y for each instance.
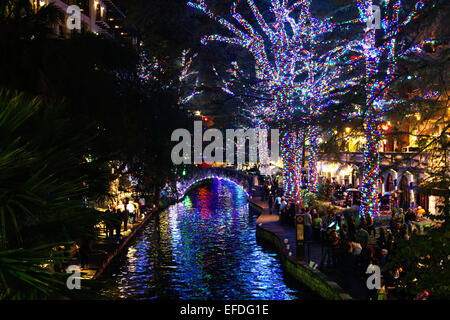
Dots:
(387, 159)
(86, 21)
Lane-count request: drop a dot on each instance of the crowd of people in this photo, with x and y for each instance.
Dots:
(119, 218)
(345, 239)
(125, 213)
(345, 245)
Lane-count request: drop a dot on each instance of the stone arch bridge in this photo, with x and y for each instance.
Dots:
(243, 180)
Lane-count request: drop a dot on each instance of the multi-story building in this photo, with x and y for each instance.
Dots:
(97, 16)
(403, 164)
(407, 159)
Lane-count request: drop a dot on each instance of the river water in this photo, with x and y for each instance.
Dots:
(201, 248)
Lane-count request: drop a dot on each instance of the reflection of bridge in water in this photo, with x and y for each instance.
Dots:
(243, 180)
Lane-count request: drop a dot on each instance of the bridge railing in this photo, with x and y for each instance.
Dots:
(240, 178)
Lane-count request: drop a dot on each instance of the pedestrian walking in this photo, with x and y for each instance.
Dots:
(142, 205)
(283, 205)
(125, 218)
(291, 214)
(326, 249)
(131, 212)
(307, 223)
(277, 204)
(270, 203)
(109, 226)
(316, 225)
(119, 219)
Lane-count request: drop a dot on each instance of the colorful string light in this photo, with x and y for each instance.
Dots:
(292, 57)
(380, 69)
(150, 68)
(291, 142)
(182, 191)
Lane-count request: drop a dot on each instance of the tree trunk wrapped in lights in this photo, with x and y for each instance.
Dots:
(284, 53)
(150, 69)
(371, 165)
(380, 72)
(313, 173)
(291, 148)
(264, 159)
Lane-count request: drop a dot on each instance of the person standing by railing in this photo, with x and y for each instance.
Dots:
(109, 227)
(142, 205)
(410, 219)
(326, 249)
(283, 205)
(317, 225)
(307, 225)
(118, 215)
(277, 204)
(125, 217)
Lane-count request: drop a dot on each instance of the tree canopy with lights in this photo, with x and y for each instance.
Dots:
(292, 76)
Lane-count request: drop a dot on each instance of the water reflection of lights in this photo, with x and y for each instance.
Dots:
(187, 202)
(205, 248)
(172, 215)
(132, 258)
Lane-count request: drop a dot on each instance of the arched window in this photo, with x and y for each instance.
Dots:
(389, 183)
(405, 196)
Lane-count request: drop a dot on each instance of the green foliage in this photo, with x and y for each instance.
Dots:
(28, 274)
(42, 185)
(57, 151)
(17, 18)
(425, 258)
(425, 261)
(308, 198)
(325, 189)
(352, 211)
(130, 122)
(311, 200)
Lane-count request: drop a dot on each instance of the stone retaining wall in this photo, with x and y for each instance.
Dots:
(299, 270)
(313, 279)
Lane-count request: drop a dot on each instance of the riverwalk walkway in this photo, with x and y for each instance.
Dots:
(105, 249)
(313, 252)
